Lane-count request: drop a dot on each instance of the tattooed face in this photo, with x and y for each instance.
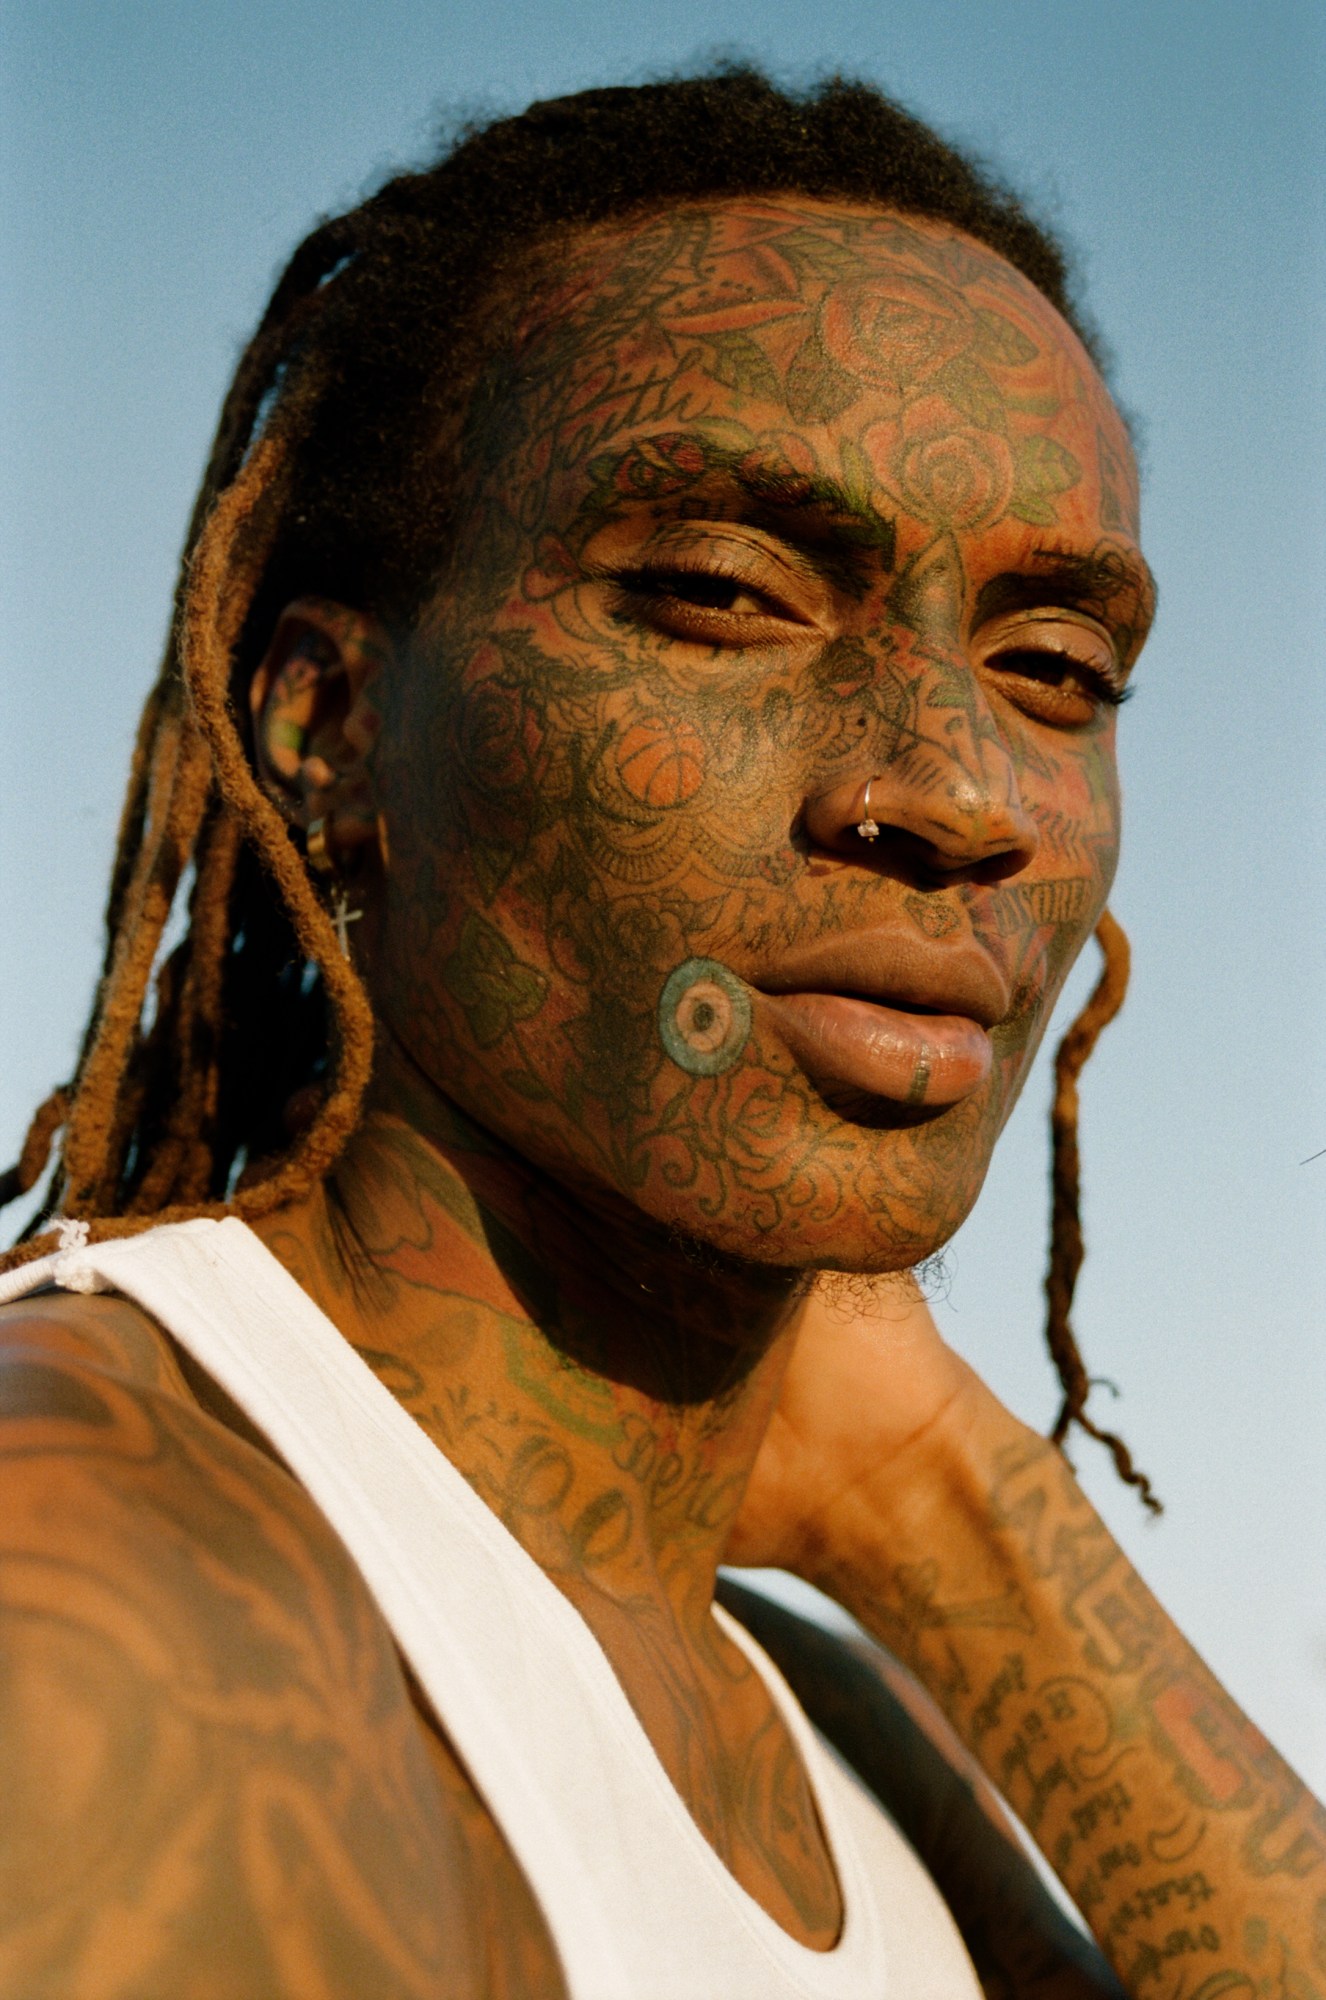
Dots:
(766, 502)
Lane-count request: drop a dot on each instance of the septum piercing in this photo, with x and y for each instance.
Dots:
(867, 825)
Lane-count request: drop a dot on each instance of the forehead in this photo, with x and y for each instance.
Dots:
(771, 245)
(880, 349)
(761, 259)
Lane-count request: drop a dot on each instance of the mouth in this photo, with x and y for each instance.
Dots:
(884, 1019)
(907, 1056)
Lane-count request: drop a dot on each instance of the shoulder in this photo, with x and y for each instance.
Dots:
(209, 1743)
(96, 1330)
(102, 1426)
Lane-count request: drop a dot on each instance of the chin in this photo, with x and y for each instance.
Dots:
(880, 1193)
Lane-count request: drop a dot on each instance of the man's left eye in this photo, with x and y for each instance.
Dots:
(1055, 686)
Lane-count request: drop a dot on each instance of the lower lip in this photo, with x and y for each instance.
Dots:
(921, 1059)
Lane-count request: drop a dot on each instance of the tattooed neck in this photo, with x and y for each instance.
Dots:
(603, 1384)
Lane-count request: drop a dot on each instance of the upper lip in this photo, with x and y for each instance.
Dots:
(898, 968)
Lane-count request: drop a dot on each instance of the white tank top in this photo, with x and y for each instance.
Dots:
(638, 1904)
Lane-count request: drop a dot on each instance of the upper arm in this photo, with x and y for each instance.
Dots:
(215, 1780)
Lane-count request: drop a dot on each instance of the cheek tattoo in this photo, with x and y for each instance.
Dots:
(704, 1017)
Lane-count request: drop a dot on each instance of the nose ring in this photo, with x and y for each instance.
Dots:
(867, 825)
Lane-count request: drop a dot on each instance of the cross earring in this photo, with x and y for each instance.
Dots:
(342, 918)
(321, 861)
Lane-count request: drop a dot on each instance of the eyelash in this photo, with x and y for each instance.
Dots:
(1106, 691)
(653, 586)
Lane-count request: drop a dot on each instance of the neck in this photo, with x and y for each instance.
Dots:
(602, 1385)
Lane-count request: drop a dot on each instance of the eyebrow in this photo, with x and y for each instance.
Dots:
(843, 515)
(775, 486)
(1085, 582)
(836, 529)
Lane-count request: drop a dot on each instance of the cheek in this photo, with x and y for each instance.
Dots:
(659, 761)
(1072, 793)
(1039, 921)
(664, 769)
(556, 826)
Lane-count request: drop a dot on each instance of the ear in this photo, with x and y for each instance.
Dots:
(316, 715)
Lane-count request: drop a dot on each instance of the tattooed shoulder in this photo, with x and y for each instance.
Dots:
(212, 1755)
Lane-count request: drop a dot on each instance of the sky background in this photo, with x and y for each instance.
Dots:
(157, 162)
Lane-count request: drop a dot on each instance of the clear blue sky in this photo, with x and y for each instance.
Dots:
(159, 159)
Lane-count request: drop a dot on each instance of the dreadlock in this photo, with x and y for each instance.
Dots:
(330, 475)
(1066, 1246)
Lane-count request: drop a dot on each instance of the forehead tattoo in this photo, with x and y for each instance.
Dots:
(774, 342)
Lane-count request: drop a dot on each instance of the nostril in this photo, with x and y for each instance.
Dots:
(930, 830)
(999, 867)
(798, 836)
(828, 819)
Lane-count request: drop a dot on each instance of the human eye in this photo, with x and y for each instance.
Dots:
(1057, 670)
(709, 599)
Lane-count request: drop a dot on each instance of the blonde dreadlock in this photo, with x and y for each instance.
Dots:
(366, 351)
(1067, 1250)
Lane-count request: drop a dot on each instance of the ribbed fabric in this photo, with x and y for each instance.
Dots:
(638, 1904)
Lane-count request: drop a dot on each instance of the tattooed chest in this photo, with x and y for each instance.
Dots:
(742, 1782)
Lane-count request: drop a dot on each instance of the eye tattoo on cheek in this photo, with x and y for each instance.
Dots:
(704, 1017)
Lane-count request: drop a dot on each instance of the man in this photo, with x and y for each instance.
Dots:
(683, 641)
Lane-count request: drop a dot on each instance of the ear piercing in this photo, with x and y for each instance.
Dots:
(318, 852)
(867, 825)
(342, 918)
(320, 860)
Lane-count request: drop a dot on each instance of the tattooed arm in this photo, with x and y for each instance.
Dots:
(961, 1540)
(216, 1783)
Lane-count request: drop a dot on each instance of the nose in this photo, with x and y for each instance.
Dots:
(947, 804)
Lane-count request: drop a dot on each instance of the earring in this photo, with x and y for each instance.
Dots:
(342, 917)
(317, 850)
(321, 861)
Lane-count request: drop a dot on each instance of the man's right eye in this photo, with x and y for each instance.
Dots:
(707, 590)
(704, 607)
